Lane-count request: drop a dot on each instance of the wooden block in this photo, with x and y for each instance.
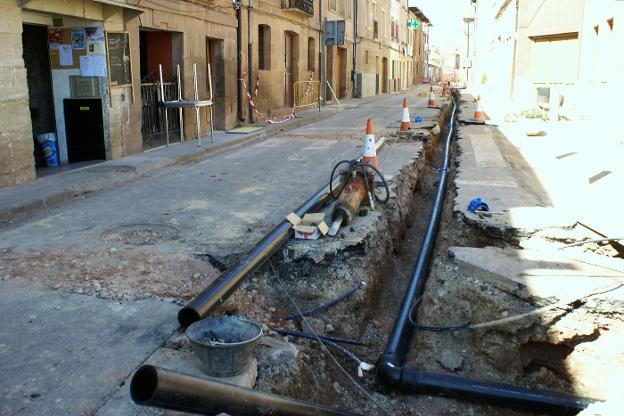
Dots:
(294, 219)
(313, 219)
(323, 228)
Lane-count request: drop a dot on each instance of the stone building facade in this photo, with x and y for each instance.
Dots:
(107, 53)
(36, 85)
(550, 53)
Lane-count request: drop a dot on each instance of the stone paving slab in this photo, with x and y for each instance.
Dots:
(532, 273)
(490, 168)
(65, 354)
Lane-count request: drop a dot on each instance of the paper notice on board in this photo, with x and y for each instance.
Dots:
(93, 66)
(65, 55)
(78, 38)
(96, 47)
(95, 33)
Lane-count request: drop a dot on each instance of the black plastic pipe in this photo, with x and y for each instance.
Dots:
(158, 387)
(224, 285)
(239, 61)
(390, 367)
(411, 380)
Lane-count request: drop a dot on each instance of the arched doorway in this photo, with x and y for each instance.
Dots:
(384, 75)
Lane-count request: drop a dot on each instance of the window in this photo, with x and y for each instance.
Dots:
(374, 14)
(264, 47)
(366, 57)
(383, 24)
(311, 53)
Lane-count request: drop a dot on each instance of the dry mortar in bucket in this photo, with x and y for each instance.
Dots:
(223, 345)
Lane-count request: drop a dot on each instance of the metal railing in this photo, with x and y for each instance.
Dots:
(307, 93)
(153, 115)
(305, 6)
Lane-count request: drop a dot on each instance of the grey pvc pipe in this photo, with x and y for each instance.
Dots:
(158, 387)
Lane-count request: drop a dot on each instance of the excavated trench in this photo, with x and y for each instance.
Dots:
(380, 255)
(520, 354)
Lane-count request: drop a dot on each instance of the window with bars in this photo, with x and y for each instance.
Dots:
(264, 47)
(311, 53)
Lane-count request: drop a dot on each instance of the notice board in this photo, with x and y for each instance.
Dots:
(61, 38)
(118, 53)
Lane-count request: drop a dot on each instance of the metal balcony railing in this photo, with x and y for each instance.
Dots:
(303, 6)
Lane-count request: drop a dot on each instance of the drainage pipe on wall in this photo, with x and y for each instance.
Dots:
(239, 61)
(153, 386)
(225, 284)
(390, 367)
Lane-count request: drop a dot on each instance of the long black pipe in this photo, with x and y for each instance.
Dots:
(390, 367)
(225, 284)
(250, 114)
(153, 386)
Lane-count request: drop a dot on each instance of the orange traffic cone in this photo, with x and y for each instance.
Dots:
(431, 102)
(478, 114)
(405, 119)
(370, 151)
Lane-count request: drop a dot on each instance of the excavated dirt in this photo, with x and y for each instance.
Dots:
(571, 350)
(113, 274)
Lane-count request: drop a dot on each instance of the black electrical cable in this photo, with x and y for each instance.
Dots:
(333, 174)
(325, 305)
(383, 182)
(330, 344)
(324, 337)
(441, 328)
(508, 319)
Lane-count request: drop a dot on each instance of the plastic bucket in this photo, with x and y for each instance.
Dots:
(49, 147)
(223, 345)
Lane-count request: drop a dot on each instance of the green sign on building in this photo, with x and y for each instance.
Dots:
(414, 24)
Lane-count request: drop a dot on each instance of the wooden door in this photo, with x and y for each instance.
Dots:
(341, 84)
(288, 69)
(384, 75)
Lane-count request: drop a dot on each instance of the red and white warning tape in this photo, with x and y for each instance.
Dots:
(251, 99)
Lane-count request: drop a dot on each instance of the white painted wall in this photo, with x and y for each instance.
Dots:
(60, 88)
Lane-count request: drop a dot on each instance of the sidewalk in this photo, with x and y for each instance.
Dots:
(56, 189)
(543, 192)
(573, 169)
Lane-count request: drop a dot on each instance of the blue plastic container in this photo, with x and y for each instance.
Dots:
(50, 148)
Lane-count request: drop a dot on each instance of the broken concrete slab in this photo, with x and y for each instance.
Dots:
(65, 353)
(396, 159)
(522, 221)
(530, 273)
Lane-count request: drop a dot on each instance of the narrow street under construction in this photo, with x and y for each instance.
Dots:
(413, 298)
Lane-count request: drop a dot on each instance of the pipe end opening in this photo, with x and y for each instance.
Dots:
(187, 316)
(143, 384)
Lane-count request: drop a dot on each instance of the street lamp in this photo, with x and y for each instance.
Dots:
(469, 17)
